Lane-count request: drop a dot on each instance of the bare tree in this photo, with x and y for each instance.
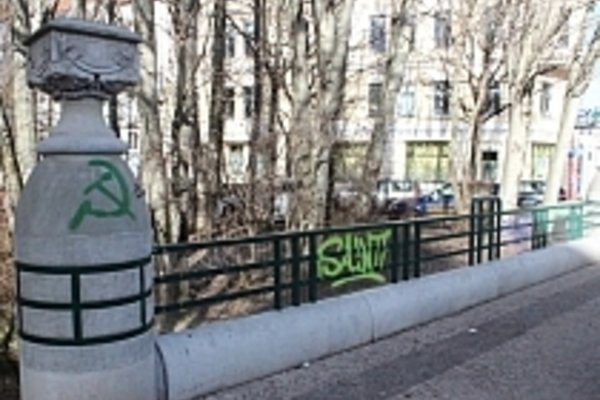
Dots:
(153, 174)
(185, 126)
(317, 97)
(583, 56)
(378, 157)
(23, 102)
(531, 27)
(216, 124)
(476, 61)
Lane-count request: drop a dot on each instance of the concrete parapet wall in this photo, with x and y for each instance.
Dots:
(226, 353)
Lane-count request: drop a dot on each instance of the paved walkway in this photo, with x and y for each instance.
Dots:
(542, 343)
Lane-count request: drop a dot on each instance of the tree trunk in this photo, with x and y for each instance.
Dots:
(516, 150)
(23, 102)
(380, 156)
(216, 117)
(185, 128)
(299, 141)
(113, 104)
(153, 174)
(561, 151)
(332, 36)
(257, 107)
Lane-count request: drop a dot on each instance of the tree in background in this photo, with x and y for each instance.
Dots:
(582, 57)
(531, 28)
(476, 63)
(378, 157)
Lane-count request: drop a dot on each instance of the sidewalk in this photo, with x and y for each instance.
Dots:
(538, 344)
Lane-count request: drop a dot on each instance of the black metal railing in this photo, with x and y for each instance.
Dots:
(240, 276)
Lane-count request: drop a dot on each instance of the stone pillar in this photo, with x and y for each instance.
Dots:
(82, 231)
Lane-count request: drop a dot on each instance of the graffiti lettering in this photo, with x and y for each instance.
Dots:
(353, 257)
(112, 185)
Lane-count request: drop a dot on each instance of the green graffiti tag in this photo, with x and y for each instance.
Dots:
(117, 194)
(352, 257)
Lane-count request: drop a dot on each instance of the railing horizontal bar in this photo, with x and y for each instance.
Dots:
(518, 240)
(437, 238)
(205, 301)
(173, 277)
(440, 256)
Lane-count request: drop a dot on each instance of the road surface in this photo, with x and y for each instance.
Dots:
(542, 343)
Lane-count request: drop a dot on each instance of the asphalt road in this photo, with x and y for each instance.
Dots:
(542, 343)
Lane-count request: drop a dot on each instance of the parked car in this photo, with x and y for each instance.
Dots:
(531, 193)
(346, 194)
(399, 198)
(443, 195)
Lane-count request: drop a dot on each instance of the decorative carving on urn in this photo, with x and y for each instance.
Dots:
(76, 58)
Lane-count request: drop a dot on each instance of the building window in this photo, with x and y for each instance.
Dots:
(493, 101)
(377, 33)
(428, 161)
(375, 99)
(236, 160)
(541, 155)
(405, 105)
(229, 102)
(229, 41)
(441, 98)
(248, 101)
(489, 165)
(545, 99)
(442, 29)
(348, 161)
(248, 38)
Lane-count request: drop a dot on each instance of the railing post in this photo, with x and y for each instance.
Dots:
(480, 218)
(491, 231)
(296, 276)
(417, 249)
(394, 258)
(472, 233)
(313, 279)
(405, 251)
(575, 221)
(535, 229)
(498, 228)
(581, 220)
(277, 273)
(545, 220)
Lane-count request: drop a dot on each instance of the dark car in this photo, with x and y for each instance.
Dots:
(399, 198)
(531, 193)
(444, 195)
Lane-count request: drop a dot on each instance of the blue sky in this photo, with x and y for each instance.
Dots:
(591, 99)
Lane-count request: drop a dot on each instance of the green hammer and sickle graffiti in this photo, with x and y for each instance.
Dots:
(121, 200)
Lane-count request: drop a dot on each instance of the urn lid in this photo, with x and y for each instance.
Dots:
(73, 58)
(84, 27)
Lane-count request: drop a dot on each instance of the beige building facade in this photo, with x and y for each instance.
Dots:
(423, 122)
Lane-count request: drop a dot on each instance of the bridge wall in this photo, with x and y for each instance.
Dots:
(226, 353)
